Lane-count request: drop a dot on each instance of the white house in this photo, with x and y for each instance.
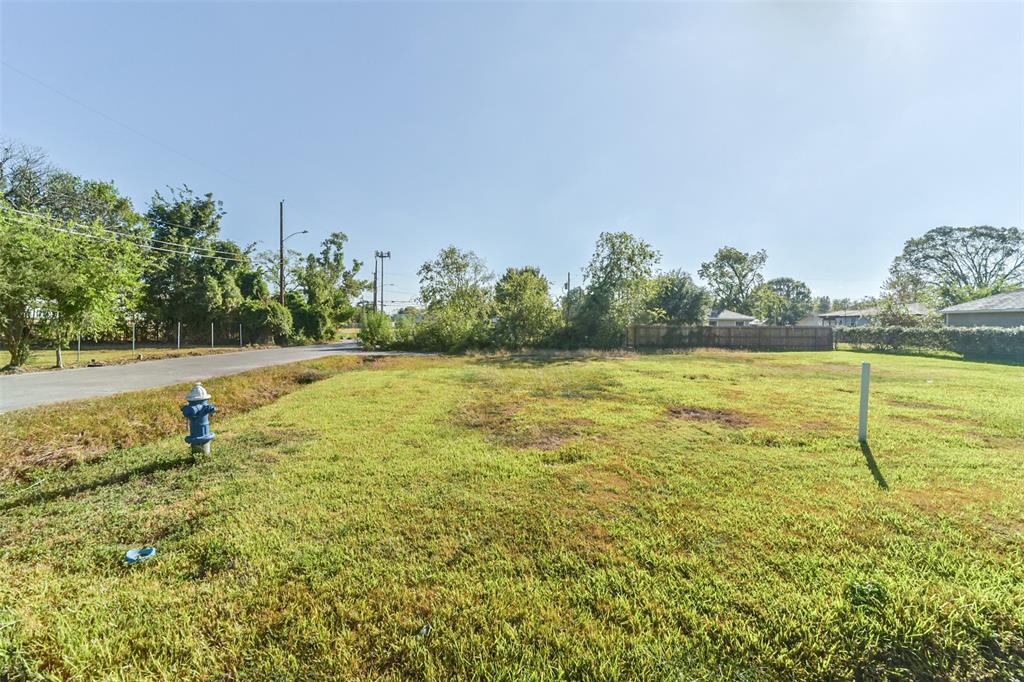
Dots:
(728, 318)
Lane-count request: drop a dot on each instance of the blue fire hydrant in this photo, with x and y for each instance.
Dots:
(198, 413)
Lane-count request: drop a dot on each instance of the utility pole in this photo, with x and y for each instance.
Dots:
(568, 288)
(381, 255)
(375, 281)
(280, 281)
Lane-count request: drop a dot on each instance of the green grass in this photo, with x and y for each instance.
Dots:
(46, 358)
(698, 516)
(34, 441)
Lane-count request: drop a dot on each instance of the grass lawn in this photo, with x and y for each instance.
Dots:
(46, 358)
(698, 516)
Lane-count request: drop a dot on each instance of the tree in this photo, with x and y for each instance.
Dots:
(733, 275)
(195, 279)
(23, 174)
(265, 321)
(454, 288)
(56, 283)
(822, 304)
(29, 182)
(327, 287)
(619, 285)
(679, 299)
(526, 315)
(377, 332)
(964, 263)
(455, 278)
(781, 301)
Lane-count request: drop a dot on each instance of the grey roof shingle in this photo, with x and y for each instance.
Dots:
(1010, 302)
(912, 308)
(730, 315)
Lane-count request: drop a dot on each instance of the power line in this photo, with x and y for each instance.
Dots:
(123, 234)
(184, 251)
(115, 239)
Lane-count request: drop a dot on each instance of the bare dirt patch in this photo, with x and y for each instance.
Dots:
(506, 424)
(728, 418)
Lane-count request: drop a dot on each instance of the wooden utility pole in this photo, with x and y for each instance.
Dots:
(375, 282)
(280, 280)
(381, 255)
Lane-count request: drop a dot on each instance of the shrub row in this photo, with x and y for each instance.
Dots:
(989, 343)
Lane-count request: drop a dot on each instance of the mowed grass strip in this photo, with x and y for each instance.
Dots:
(698, 516)
(46, 358)
(65, 434)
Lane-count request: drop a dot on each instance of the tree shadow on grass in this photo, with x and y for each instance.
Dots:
(873, 466)
(113, 479)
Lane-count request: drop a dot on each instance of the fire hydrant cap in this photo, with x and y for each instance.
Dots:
(198, 392)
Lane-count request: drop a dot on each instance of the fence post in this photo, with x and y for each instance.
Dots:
(179, 336)
(211, 335)
(865, 380)
(239, 334)
(133, 336)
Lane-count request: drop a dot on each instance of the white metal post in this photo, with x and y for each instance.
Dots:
(211, 335)
(79, 360)
(179, 336)
(133, 336)
(239, 335)
(865, 380)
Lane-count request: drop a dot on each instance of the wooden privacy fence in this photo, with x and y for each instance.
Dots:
(746, 338)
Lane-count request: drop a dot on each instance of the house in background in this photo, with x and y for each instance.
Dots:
(1001, 310)
(865, 316)
(810, 320)
(728, 318)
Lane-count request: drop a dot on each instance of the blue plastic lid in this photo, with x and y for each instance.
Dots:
(134, 556)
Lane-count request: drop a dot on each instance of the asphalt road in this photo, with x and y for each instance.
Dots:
(40, 388)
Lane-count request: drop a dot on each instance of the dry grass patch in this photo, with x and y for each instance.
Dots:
(728, 418)
(508, 425)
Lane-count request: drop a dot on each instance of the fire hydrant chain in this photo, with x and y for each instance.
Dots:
(198, 413)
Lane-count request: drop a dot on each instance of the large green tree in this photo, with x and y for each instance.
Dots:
(30, 183)
(55, 283)
(328, 286)
(193, 278)
(677, 298)
(526, 315)
(619, 285)
(781, 301)
(455, 290)
(963, 263)
(732, 276)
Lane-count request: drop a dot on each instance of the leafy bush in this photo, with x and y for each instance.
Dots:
(447, 330)
(377, 331)
(995, 343)
(263, 322)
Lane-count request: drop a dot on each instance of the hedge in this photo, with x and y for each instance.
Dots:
(984, 343)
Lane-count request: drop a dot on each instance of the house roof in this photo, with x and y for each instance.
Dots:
(912, 308)
(1010, 302)
(864, 312)
(730, 315)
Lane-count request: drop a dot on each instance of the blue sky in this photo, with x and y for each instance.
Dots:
(825, 133)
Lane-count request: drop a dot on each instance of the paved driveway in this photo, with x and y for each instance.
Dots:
(39, 388)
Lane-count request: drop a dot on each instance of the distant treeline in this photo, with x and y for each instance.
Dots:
(76, 257)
